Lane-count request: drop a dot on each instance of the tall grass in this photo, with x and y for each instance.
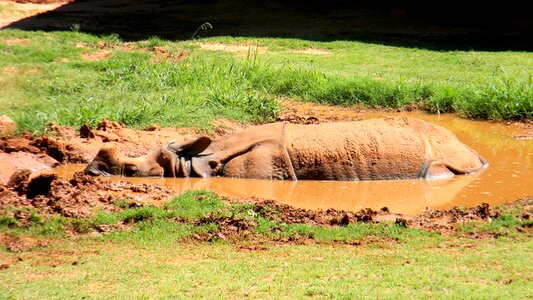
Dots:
(130, 88)
(308, 84)
(504, 98)
(138, 93)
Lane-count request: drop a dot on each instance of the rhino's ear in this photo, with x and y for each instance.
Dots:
(190, 148)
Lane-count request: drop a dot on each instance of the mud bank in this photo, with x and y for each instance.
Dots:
(439, 221)
(80, 196)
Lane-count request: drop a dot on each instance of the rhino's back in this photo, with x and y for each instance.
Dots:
(389, 148)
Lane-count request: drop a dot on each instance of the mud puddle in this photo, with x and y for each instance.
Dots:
(509, 177)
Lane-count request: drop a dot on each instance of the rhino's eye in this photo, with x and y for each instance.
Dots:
(130, 170)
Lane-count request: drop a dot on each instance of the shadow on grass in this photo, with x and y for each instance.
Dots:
(430, 25)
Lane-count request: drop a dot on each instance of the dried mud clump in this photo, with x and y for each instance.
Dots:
(52, 147)
(106, 125)
(40, 185)
(86, 132)
(23, 144)
(447, 221)
(235, 228)
(19, 181)
(296, 119)
(21, 243)
(7, 126)
(76, 197)
(228, 228)
(56, 149)
(292, 215)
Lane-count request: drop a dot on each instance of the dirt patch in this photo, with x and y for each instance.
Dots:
(20, 9)
(77, 197)
(11, 70)
(16, 41)
(158, 54)
(312, 51)
(22, 243)
(296, 119)
(7, 126)
(61, 60)
(224, 126)
(240, 49)
(41, 1)
(291, 215)
(302, 112)
(165, 54)
(97, 55)
(231, 228)
(313, 113)
(123, 46)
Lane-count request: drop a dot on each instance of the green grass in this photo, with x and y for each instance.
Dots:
(391, 262)
(127, 87)
(45, 79)
(106, 269)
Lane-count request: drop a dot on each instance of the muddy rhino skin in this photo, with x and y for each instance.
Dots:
(385, 148)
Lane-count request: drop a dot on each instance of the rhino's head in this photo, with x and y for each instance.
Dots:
(171, 160)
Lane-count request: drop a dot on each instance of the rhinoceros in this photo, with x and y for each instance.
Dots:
(374, 149)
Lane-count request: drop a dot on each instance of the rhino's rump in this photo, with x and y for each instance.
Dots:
(373, 149)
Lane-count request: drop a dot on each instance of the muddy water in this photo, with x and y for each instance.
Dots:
(510, 176)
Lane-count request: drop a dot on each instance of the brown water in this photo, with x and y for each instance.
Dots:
(510, 176)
